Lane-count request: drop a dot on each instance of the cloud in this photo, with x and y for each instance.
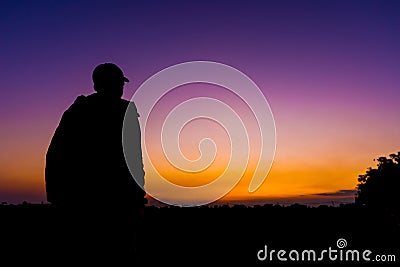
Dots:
(339, 193)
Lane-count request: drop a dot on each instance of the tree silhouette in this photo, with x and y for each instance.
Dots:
(380, 187)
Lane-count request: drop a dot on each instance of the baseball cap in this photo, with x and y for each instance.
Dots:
(107, 72)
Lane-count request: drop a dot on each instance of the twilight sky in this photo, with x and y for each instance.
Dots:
(329, 70)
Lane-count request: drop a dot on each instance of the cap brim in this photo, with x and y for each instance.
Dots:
(126, 80)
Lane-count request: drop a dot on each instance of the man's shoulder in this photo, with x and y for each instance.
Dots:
(80, 100)
(86, 102)
(128, 103)
(94, 101)
(79, 103)
(73, 109)
(125, 102)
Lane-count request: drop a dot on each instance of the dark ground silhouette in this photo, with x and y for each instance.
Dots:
(212, 234)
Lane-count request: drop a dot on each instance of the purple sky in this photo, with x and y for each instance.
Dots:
(329, 69)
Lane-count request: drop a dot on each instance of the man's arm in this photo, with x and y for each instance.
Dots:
(133, 149)
(59, 156)
(54, 163)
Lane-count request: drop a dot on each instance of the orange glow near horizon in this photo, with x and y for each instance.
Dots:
(22, 175)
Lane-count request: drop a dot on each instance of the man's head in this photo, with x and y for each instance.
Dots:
(108, 79)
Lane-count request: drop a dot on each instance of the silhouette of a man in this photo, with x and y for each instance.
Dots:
(86, 173)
